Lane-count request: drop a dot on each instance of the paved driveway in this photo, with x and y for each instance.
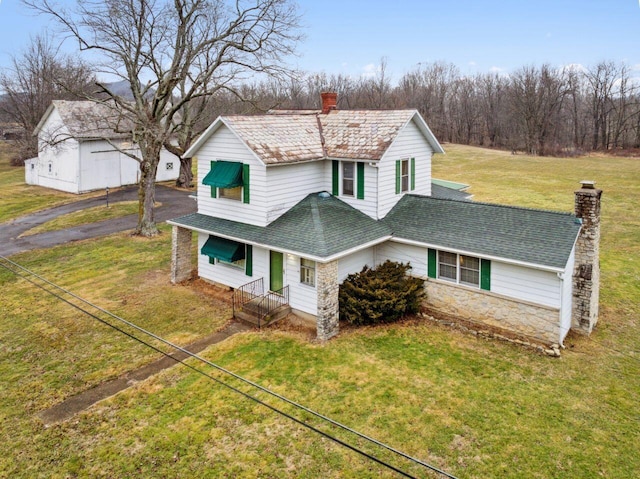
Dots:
(174, 203)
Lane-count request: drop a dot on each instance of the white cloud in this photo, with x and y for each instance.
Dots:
(497, 70)
(369, 70)
(473, 64)
(575, 67)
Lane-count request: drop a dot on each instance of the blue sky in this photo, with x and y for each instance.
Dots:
(348, 36)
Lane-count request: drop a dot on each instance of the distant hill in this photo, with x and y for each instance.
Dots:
(121, 89)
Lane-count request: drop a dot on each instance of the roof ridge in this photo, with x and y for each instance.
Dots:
(499, 205)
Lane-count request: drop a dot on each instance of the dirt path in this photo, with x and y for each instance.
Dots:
(174, 203)
(80, 402)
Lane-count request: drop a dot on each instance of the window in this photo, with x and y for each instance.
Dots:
(307, 272)
(351, 174)
(50, 167)
(348, 174)
(469, 270)
(229, 179)
(404, 175)
(460, 268)
(228, 252)
(447, 265)
(240, 263)
(231, 193)
(169, 165)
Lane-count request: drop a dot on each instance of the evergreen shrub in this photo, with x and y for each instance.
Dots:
(380, 295)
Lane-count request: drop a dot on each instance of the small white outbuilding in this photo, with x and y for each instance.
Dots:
(81, 147)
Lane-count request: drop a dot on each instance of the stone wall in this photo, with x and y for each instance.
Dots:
(586, 275)
(180, 254)
(490, 310)
(327, 287)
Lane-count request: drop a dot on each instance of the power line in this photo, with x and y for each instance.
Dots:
(224, 370)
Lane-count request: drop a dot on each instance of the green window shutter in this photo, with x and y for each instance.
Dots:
(213, 188)
(398, 166)
(432, 265)
(485, 274)
(335, 177)
(248, 261)
(245, 184)
(360, 193)
(413, 174)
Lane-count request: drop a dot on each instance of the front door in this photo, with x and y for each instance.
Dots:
(276, 271)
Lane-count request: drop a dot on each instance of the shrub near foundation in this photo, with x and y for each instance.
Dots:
(381, 295)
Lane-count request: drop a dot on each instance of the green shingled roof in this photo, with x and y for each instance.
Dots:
(520, 234)
(320, 226)
(439, 191)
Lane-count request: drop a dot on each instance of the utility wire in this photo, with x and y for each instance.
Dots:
(220, 368)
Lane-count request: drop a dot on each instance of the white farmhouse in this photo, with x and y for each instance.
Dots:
(77, 150)
(290, 203)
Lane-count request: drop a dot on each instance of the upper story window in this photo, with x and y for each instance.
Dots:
(228, 179)
(347, 179)
(405, 175)
(231, 193)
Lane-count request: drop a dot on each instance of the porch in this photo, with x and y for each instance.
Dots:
(253, 306)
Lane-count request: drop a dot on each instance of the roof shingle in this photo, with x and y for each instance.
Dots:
(520, 234)
(320, 226)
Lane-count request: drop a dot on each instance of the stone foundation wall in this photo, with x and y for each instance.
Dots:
(523, 319)
(181, 267)
(327, 287)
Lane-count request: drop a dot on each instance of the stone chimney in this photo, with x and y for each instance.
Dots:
(329, 101)
(586, 275)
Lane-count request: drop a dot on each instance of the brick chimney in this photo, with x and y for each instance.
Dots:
(329, 101)
(586, 275)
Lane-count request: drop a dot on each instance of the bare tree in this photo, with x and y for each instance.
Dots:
(172, 53)
(537, 96)
(37, 76)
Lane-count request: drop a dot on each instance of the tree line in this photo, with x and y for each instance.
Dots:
(539, 110)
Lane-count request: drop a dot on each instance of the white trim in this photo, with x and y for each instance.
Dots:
(478, 255)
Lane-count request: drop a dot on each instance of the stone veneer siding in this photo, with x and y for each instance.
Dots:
(327, 287)
(586, 275)
(180, 254)
(485, 309)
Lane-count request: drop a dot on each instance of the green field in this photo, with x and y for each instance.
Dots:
(474, 407)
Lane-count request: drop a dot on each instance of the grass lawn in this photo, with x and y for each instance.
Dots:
(88, 215)
(473, 407)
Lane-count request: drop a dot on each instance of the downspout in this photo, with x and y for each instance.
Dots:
(560, 338)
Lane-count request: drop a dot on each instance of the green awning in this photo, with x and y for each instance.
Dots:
(223, 249)
(224, 174)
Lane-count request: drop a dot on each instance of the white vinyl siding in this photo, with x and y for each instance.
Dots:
(519, 282)
(58, 165)
(354, 263)
(404, 253)
(289, 184)
(513, 281)
(301, 296)
(410, 143)
(369, 204)
(223, 145)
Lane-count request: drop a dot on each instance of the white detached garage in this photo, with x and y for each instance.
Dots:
(82, 147)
